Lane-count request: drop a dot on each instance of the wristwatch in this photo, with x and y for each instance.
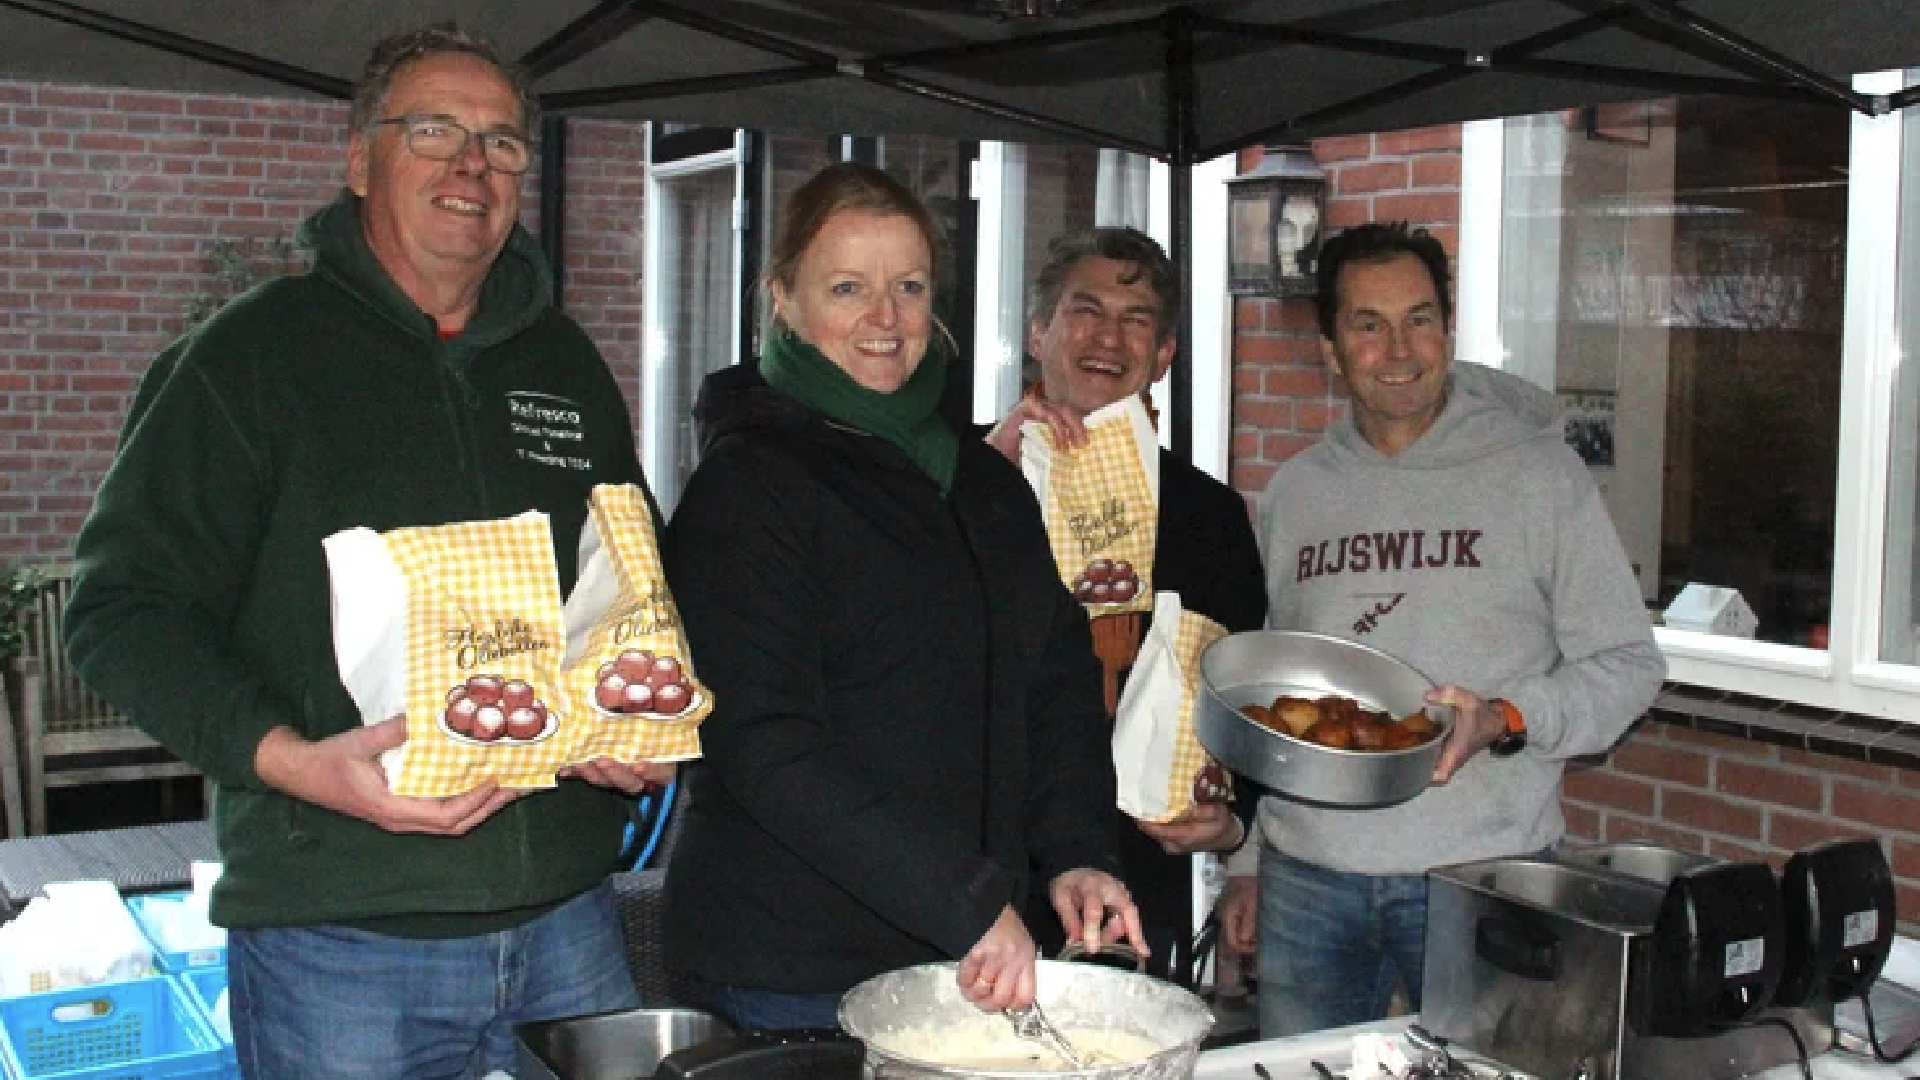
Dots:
(1514, 739)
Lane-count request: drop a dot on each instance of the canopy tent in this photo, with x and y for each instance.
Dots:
(1179, 81)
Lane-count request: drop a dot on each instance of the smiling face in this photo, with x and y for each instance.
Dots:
(1390, 344)
(862, 293)
(437, 225)
(1104, 339)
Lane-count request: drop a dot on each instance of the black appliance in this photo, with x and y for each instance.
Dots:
(1840, 910)
(1713, 957)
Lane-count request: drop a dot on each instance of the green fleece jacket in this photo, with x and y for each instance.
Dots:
(200, 601)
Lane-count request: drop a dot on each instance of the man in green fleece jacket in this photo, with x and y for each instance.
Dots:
(418, 375)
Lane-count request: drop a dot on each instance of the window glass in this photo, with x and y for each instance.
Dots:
(694, 326)
(1902, 576)
(1067, 188)
(935, 170)
(1673, 269)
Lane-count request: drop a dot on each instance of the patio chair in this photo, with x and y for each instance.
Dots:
(69, 736)
(640, 895)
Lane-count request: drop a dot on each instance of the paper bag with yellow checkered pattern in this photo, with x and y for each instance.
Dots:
(1157, 757)
(458, 626)
(1102, 505)
(626, 663)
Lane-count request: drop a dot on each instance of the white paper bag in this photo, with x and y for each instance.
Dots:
(1157, 757)
(1149, 717)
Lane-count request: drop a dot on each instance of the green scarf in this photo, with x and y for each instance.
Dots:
(909, 418)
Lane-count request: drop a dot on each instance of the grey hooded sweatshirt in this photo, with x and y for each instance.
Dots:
(1483, 556)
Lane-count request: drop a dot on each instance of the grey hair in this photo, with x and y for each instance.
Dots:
(1120, 244)
(392, 53)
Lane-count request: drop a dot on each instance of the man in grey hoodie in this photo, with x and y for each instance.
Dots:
(1444, 521)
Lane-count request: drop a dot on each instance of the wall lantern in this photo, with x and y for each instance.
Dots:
(1274, 212)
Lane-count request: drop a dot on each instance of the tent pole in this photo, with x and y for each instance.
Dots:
(1180, 140)
(179, 45)
(609, 20)
(1720, 37)
(553, 203)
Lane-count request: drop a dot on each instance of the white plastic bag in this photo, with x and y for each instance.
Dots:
(79, 934)
(1157, 758)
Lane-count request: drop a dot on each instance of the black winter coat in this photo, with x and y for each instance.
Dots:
(908, 711)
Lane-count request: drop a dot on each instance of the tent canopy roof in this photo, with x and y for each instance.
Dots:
(1179, 81)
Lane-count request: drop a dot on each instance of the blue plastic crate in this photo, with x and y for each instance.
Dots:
(178, 959)
(145, 1029)
(203, 987)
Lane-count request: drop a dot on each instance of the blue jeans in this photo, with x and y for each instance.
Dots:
(1333, 946)
(770, 1010)
(326, 1002)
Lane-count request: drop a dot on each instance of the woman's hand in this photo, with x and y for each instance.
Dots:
(997, 973)
(1093, 904)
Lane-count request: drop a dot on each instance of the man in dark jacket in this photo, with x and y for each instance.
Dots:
(418, 375)
(1101, 318)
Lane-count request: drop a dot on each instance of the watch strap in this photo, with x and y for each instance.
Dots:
(1514, 738)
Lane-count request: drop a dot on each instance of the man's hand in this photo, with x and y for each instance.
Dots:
(342, 773)
(1239, 911)
(1208, 827)
(997, 973)
(634, 778)
(1092, 903)
(1065, 423)
(1476, 725)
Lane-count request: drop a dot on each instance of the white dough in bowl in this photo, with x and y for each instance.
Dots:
(1007, 1052)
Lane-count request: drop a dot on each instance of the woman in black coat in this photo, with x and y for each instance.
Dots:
(908, 720)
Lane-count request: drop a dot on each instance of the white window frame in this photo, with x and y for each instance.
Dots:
(1848, 675)
(999, 186)
(654, 448)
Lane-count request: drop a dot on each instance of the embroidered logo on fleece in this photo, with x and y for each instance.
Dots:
(1381, 552)
(548, 429)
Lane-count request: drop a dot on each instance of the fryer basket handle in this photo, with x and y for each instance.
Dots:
(1530, 952)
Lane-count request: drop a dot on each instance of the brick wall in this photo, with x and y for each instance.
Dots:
(108, 203)
(1283, 398)
(1690, 789)
(1742, 798)
(605, 199)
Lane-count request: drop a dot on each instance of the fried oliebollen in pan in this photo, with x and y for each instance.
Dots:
(1341, 723)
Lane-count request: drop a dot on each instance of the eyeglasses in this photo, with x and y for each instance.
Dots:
(441, 138)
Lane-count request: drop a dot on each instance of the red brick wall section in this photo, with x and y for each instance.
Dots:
(1695, 791)
(1283, 395)
(1739, 799)
(108, 201)
(606, 196)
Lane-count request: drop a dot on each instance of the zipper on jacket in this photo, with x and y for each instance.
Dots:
(460, 400)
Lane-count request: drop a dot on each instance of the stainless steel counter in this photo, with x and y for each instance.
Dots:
(1291, 1059)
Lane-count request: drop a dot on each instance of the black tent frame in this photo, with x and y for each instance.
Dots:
(1182, 29)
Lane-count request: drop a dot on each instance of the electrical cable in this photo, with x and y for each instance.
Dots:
(1799, 1045)
(1873, 1037)
(657, 804)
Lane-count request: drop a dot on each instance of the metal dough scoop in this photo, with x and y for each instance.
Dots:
(1031, 1023)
